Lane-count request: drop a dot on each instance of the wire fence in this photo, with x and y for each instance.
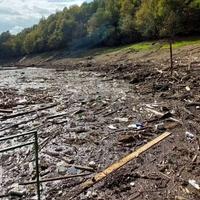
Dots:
(36, 150)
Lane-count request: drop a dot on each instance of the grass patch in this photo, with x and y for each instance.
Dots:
(183, 43)
(143, 46)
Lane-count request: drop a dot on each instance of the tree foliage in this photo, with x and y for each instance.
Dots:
(161, 18)
(105, 22)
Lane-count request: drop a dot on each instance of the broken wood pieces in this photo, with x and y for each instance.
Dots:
(163, 115)
(100, 176)
(193, 187)
(56, 155)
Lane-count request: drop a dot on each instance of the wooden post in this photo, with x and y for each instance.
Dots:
(171, 56)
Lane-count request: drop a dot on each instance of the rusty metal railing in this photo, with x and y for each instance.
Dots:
(36, 146)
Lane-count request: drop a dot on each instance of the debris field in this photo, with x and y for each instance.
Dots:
(90, 118)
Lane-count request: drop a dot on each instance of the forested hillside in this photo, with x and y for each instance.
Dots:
(105, 23)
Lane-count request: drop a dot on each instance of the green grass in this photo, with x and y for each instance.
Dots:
(183, 43)
(142, 47)
(146, 46)
(133, 47)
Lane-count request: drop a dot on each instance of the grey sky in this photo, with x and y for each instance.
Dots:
(18, 14)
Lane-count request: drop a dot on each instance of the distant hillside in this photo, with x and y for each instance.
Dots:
(105, 23)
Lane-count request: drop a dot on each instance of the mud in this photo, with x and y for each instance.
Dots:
(80, 136)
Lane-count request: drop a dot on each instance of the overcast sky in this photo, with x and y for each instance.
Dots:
(18, 14)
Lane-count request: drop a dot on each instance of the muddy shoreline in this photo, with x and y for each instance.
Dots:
(95, 123)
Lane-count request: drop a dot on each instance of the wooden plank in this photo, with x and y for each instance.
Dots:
(100, 176)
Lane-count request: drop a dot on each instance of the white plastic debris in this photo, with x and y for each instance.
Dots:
(21, 100)
(112, 127)
(118, 119)
(134, 108)
(187, 88)
(136, 126)
(173, 112)
(94, 194)
(189, 135)
(92, 164)
(194, 184)
(89, 194)
(132, 126)
(159, 126)
(132, 184)
(61, 168)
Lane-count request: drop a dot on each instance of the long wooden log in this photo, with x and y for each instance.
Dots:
(100, 176)
(28, 112)
(15, 136)
(15, 147)
(55, 179)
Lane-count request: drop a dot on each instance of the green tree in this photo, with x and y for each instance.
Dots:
(161, 18)
(106, 22)
(127, 22)
(55, 40)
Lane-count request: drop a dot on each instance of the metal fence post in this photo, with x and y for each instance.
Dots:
(37, 165)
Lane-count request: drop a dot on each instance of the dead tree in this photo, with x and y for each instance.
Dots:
(171, 56)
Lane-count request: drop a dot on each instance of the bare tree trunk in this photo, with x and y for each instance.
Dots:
(171, 57)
